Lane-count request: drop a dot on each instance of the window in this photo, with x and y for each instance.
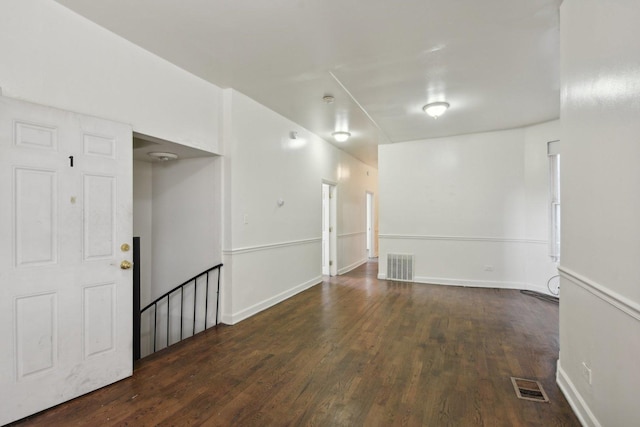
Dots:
(553, 151)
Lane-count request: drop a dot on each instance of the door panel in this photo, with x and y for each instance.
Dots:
(35, 200)
(99, 216)
(99, 305)
(36, 334)
(65, 304)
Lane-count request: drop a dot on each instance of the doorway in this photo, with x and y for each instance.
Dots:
(176, 199)
(370, 222)
(329, 267)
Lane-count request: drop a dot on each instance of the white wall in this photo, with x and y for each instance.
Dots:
(142, 223)
(600, 282)
(55, 57)
(277, 252)
(186, 221)
(464, 203)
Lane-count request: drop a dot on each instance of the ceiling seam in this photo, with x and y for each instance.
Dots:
(360, 106)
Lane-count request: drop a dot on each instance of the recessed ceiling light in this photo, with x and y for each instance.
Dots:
(341, 136)
(436, 109)
(163, 157)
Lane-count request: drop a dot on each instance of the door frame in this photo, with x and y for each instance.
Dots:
(332, 222)
(370, 223)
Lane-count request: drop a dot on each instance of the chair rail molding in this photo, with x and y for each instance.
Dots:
(618, 301)
(460, 238)
(269, 246)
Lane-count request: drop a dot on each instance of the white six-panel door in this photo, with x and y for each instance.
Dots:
(65, 214)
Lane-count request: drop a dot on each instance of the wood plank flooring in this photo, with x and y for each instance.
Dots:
(352, 351)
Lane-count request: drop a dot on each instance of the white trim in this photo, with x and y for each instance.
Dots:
(271, 246)
(353, 266)
(357, 233)
(460, 238)
(233, 318)
(618, 301)
(470, 283)
(540, 289)
(577, 403)
(476, 283)
(553, 147)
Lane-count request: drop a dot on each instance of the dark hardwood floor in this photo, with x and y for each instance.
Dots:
(352, 351)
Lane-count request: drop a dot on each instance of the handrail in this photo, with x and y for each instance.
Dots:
(167, 296)
(186, 282)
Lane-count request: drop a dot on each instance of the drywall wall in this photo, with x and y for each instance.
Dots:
(142, 223)
(185, 220)
(272, 251)
(55, 57)
(600, 182)
(465, 207)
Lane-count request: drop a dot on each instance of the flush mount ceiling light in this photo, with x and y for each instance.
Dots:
(328, 99)
(436, 109)
(341, 136)
(163, 157)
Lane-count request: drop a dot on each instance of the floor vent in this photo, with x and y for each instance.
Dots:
(529, 390)
(400, 267)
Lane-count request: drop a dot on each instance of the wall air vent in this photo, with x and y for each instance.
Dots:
(400, 267)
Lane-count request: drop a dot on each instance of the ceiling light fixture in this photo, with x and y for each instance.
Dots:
(341, 136)
(328, 99)
(163, 157)
(436, 109)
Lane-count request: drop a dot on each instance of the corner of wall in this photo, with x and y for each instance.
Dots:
(577, 403)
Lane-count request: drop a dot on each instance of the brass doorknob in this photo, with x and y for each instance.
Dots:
(125, 265)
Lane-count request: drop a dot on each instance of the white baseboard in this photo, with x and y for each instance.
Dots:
(353, 266)
(226, 319)
(471, 283)
(232, 319)
(577, 403)
(539, 289)
(476, 283)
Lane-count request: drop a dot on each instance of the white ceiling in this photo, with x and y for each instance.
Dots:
(495, 61)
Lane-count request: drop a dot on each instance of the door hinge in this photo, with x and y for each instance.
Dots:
(330, 229)
(330, 263)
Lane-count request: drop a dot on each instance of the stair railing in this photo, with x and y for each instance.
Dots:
(195, 283)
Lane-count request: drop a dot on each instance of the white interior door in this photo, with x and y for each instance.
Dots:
(66, 211)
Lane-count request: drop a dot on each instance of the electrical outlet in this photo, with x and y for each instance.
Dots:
(246, 219)
(586, 372)
(488, 268)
